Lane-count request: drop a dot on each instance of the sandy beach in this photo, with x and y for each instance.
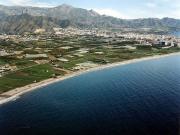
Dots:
(16, 93)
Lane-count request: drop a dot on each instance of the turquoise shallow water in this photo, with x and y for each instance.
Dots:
(137, 99)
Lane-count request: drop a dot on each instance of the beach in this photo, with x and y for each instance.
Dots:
(16, 93)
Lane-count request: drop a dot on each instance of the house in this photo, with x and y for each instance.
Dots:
(31, 56)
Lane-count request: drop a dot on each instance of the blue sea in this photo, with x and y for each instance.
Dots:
(142, 98)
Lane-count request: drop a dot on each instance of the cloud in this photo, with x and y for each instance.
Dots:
(26, 3)
(151, 5)
(137, 13)
(19, 2)
(126, 10)
(175, 14)
(41, 4)
(111, 12)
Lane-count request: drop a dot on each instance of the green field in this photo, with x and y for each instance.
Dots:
(27, 71)
(27, 76)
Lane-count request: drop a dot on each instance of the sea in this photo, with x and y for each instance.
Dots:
(141, 98)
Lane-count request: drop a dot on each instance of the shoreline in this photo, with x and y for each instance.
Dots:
(16, 93)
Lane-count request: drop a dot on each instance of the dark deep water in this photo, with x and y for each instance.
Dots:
(136, 99)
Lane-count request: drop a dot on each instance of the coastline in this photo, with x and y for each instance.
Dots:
(16, 93)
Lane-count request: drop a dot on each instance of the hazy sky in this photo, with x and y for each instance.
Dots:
(117, 8)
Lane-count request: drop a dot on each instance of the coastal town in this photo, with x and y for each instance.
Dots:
(34, 57)
(99, 67)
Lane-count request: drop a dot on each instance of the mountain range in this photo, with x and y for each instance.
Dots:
(18, 19)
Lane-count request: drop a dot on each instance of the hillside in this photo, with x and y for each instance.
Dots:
(18, 19)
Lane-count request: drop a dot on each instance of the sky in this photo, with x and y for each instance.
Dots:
(126, 9)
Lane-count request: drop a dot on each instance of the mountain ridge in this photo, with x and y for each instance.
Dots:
(13, 18)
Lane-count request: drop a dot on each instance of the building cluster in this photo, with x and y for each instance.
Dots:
(6, 68)
(144, 39)
(5, 53)
(153, 40)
